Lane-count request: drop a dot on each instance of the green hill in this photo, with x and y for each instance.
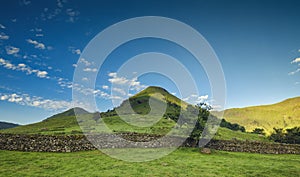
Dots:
(66, 122)
(285, 114)
(153, 90)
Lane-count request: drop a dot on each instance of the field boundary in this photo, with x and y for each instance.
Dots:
(73, 143)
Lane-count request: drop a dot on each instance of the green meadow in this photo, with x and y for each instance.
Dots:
(182, 162)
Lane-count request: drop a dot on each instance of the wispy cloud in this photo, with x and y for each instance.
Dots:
(85, 62)
(105, 87)
(38, 32)
(296, 60)
(194, 98)
(36, 44)
(3, 36)
(42, 74)
(73, 15)
(90, 70)
(2, 26)
(60, 4)
(11, 50)
(60, 11)
(120, 84)
(76, 51)
(294, 72)
(35, 101)
(133, 83)
(23, 68)
(26, 2)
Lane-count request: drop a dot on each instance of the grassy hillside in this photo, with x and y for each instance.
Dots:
(66, 122)
(153, 90)
(182, 162)
(285, 114)
(59, 125)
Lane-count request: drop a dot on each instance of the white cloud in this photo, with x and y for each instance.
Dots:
(118, 80)
(194, 98)
(84, 79)
(39, 35)
(15, 98)
(4, 36)
(85, 62)
(26, 2)
(23, 67)
(74, 65)
(34, 101)
(294, 72)
(76, 51)
(2, 26)
(37, 44)
(90, 69)
(11, 50)
(133, 83)
(42, 74)
(4, 97)
(105, 87)
(119, 90)
(59, 4)
(73, 15)
(112, 74)
(296, 60)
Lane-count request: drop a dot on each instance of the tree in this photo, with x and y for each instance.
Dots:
(260, 131)
(293, 135)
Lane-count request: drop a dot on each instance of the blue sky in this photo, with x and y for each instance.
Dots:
(257, 43)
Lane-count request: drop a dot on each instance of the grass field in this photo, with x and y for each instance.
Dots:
(182, 162)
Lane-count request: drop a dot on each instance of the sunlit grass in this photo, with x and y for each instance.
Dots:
(182, 162)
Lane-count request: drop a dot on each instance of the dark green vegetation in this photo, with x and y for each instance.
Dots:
(5, 125)
(66, 122)
(182, 162)
(260, 131)
(291, 136)
(285, 114)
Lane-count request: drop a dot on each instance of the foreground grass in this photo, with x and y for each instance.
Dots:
(182, 162)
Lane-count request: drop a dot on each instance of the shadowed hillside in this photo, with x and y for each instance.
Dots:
(5, 125)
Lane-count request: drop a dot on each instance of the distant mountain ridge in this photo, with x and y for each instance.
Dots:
(5, 125)
(285, 114)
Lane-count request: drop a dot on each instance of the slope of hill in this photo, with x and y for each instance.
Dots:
(285, 114)
(5, 125)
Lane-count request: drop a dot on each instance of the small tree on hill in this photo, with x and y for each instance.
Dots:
(260, 131)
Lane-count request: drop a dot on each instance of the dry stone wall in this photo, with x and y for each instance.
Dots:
(72, 143)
